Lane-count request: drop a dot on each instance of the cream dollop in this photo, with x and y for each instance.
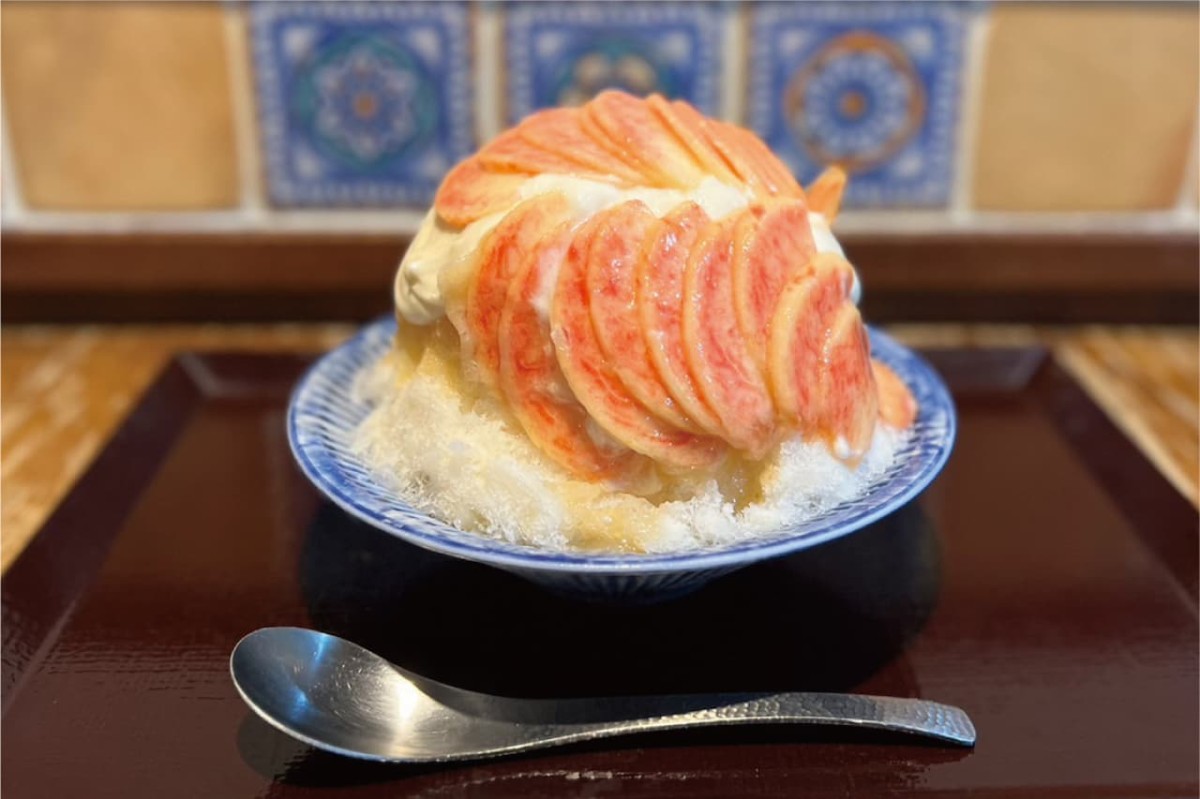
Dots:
(438, 249)
(825, 241)
(822, 234)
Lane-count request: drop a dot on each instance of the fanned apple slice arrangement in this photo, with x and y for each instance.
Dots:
(629, 343)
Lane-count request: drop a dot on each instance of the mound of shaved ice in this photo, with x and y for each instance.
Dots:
(460, 459)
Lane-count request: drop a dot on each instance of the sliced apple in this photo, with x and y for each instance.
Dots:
(804, 315)
(897, 406)
(501, 254)
(595, 382)
(536, 391)
(750, 159)
(819, 360)
(612, 290)
(470, 192)
(659, 279)
(824, 195)
(716, 351)
(560, 131)
(849, 397)
(696, 125)
(685, 129)
(771, 245)
(511, 152)
(758, 155)
(628, 127)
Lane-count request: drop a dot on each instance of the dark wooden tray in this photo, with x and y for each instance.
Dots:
(1046, 582)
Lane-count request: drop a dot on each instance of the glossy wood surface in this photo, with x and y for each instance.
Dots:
(996, 276)
(1045, 582)
(66, 389)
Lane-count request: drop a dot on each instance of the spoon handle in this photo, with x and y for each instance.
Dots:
(895, 714)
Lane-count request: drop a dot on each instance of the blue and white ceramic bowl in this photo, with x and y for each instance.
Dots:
(323, 415)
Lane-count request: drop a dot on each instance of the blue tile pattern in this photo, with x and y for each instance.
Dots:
(873, 86)
(324, 412)
(564, 53)
(361, 103)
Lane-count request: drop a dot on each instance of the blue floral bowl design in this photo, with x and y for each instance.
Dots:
(323, 414)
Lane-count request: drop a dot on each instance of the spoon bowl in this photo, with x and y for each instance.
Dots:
(340, 697)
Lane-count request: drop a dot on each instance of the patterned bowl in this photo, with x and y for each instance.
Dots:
(323, 414)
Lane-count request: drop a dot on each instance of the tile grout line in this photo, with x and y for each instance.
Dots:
(237, 57)
(1185, 202)
(268, 221)
(488, 66)
(14, 199)
(400, 221)
(734, 54)
(970, 104)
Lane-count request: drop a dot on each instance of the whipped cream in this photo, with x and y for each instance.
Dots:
(436, 248)
(825, 241)
(822, 234)
(439, 249)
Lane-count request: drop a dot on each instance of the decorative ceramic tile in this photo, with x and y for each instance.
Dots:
(362, 103)
(871, 86)
(564, 53)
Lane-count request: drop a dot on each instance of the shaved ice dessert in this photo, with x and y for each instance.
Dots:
(626, 327)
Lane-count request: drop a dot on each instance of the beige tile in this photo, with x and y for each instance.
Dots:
(119, 105)
(1086, 107)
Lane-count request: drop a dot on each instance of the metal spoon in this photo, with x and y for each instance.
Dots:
(337, 696)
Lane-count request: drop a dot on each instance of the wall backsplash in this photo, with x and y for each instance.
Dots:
(344, 115)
